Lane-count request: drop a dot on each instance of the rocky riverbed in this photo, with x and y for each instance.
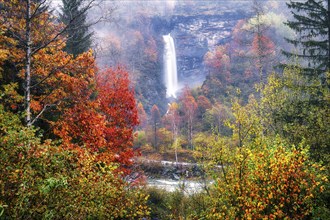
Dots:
(170, 169)
(171, 176)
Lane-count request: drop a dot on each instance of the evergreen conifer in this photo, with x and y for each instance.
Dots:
(311, 23)
(74, 15)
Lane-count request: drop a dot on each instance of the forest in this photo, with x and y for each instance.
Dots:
(87, 121)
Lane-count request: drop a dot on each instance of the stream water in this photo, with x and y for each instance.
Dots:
(187, 186)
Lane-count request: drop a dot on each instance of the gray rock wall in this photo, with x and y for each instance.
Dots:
(196, 33)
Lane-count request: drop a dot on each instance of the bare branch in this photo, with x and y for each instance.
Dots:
(42, 111)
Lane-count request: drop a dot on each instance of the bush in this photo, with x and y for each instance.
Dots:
(176, 205)
(271, 181)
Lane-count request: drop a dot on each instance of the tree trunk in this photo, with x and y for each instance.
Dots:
(27, 93)
(155, 135)
(176, 150)
(190, 130)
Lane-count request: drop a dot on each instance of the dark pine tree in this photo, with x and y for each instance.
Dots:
(73, 15)
(311, 23)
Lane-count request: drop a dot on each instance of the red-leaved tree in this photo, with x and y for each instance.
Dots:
(102, 119)
(218, 61)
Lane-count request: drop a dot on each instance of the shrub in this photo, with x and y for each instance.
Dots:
(272, 181)
(42, 181)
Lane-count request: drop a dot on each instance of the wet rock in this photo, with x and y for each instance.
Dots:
(175, 176)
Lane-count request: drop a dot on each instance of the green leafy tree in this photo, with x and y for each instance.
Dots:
(246, 125)
(216, 119)
(297, 109)
(312, 25)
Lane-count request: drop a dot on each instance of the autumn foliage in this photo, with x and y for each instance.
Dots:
(40, 180)
(89, 114)
(219, 63)
(272, 181)
(66, 149)
(105, 122)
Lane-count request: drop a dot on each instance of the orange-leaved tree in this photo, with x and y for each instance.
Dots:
(143, 118)
(43, 74)
(31, 29)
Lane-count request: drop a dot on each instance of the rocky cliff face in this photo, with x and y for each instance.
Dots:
(197, 29)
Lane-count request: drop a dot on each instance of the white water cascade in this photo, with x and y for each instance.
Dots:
(170, 68)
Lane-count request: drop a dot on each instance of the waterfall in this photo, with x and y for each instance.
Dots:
(170, 69)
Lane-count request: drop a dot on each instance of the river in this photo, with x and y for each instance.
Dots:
(188, 186)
